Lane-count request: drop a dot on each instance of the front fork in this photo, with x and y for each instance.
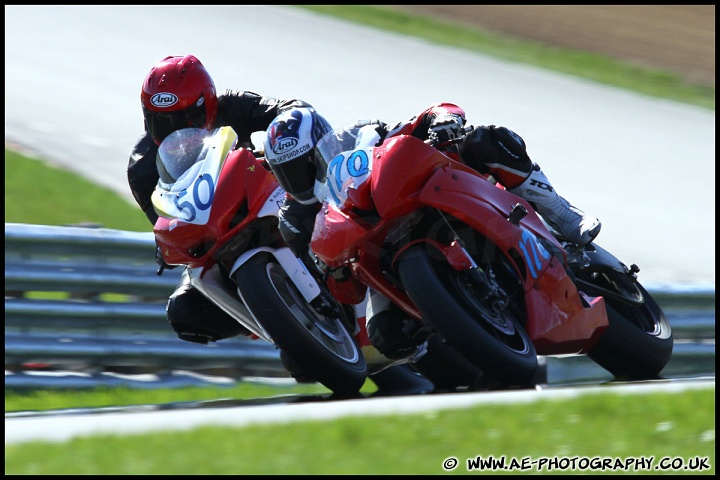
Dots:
(300, 276)
(457, 256)
(489, 291)
(295, 268)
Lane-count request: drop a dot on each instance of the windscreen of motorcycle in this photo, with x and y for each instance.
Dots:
(189, 163)
(346, 155)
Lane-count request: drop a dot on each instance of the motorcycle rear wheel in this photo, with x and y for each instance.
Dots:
(320, 345)
(638, 343)
(495, 342)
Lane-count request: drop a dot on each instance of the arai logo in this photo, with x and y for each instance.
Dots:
(163, 100)
(284, 144)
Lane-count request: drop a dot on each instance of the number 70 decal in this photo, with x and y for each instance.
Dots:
(340, 169)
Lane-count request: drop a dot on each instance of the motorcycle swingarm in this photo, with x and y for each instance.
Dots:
(618, 281)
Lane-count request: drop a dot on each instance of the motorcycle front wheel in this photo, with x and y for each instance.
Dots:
(494, 341)
(321, 345)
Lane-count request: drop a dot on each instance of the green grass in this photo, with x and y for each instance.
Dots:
(594, 67)
(40, 400)
(610, 426)
(38, 192)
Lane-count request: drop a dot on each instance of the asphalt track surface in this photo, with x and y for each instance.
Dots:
(68, 425)
(644, 166)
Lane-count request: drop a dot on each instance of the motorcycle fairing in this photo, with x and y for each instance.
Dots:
(210, 283)
(189, 198)
(335, 236)
(561, 320)
(557, 320)
(272, 203)
(243, 186)
(484, 207)
(561, 323)
(406, 163)
(336, 240)
(346, 173)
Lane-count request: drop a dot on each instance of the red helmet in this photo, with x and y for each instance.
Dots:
(178, 93)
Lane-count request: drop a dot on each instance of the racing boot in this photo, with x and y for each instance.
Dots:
(394, 334)
(376, 361)
(571, 222)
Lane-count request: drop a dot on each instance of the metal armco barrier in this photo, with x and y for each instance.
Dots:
(110, 310)
(109, 317)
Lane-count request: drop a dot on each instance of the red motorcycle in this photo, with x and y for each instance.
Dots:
(477, 266)
(218, 210)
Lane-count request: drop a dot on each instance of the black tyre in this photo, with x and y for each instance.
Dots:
(494, 341)
(321, 346)
(638, 343)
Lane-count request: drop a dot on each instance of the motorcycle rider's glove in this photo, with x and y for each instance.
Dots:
(379, 125)
(445, 128)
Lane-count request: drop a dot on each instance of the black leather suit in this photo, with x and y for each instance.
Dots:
(190, 314)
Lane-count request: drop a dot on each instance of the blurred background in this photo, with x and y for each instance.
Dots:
(643, 165)
(640, 155)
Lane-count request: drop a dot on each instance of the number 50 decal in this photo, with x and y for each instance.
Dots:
(196, 203)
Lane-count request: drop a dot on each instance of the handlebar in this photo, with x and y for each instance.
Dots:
(454, 141)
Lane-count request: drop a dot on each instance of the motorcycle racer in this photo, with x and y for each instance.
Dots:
(493, 150)
(179, 92)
